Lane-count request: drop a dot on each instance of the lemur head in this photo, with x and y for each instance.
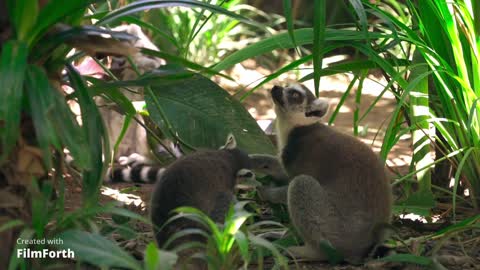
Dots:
(241, 158)
(295, 105)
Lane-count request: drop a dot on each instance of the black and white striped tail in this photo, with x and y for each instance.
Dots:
(134, 168)
(143, 174)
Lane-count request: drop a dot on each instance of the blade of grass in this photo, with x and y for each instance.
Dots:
(23, 14)
(153, 4)
(303, 36)
(13, 63)
(287, 11)
(319, 26)
(419, 111)
(96, 137)
(53, 12)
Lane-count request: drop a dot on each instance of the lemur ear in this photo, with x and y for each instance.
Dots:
(231, 142)
(318, 108)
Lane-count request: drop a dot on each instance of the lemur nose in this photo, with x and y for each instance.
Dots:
(277, 93)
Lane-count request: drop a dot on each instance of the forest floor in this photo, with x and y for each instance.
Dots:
(455, 254)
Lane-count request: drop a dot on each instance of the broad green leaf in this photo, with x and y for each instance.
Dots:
(54, 123)
(53, 12)
(41, 212)
(23, 14)
(96, 136)
(96, 249)
(41, 98)
(419, 203)
(419, 112)
(203, 114)
(13, 63)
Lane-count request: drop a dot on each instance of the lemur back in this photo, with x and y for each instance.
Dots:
(339, 192)
(204, 180)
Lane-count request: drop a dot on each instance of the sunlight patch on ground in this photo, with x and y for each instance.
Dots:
(399, 161)
(126, 198)
(416, 217)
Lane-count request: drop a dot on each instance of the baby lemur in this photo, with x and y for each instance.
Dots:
(339, 192)
(205, 180)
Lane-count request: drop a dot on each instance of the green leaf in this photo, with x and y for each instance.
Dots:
(13, 63)
(151, 257)
(159, 259)
(353, 66)
(53, 12)
(419, 112)
(303, 36)
(319, 25)
(203, 114)
(90, 39)
(41, 98)
(182, 61)
(54, 123)
(257, 241)
(97, 250)
(242, 243)
(96, 136)
(419, 203)
(466, 223)
(23, 14)
(362, 16)
(408, 258)
(11, 224)
(17, 262)
(40, 207)
(153, 4)
(334, 256)
(287, 11)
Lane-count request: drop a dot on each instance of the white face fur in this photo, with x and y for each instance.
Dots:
(296, 106)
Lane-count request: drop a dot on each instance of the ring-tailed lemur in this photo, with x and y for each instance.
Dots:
(205, 180)
(338, 192)
(139, 169)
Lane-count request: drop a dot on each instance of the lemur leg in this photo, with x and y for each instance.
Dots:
(273, 194)
(313, 216)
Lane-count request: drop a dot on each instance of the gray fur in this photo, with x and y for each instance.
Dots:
(140, 169)
(270, 165)
(339, 192)
(205, 180)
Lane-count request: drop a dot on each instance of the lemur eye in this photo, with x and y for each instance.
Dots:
(295, 94)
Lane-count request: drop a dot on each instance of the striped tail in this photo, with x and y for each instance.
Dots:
(142, 173)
